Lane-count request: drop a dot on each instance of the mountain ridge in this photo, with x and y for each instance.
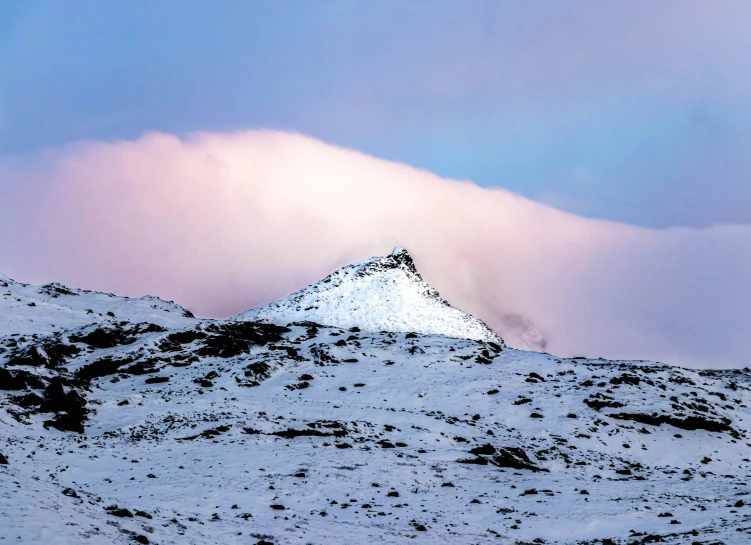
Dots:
(27, 308)
(135, 424)
(378, 294)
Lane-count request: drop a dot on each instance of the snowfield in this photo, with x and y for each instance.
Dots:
(151, 426)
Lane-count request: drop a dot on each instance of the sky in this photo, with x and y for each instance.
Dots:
(579, 167)
(635, 111)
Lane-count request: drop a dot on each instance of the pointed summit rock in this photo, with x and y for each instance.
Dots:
(378, 294)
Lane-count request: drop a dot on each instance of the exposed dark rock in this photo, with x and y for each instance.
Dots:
(28, 401)
(174, 341)
(28, 356)
(485, 449)
(515, 458)
(478, 460)
(102, 368)
(70, 403)
(229, 339)
(18, 379)
(55, 290)
(536, 377)
(686, 423)
(116, 511)
(291, 433)
(598, 401)
(65, 422)
(50, 353)
(259, 368)
(104, 338)
(626, 379)
(145, 366)
(292, 352)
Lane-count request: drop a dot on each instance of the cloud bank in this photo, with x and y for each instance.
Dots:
(224, 222)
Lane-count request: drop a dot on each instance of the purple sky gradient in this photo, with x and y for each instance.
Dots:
(635, 111)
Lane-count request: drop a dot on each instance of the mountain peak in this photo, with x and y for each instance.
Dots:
(401, 256)
(378, 294)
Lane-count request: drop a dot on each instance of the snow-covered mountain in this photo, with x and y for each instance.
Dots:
(151, 426)
(379, 294)
(26, 309)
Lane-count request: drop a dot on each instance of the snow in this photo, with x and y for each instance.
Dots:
(379, 294)
(26, 309)
(244, 416)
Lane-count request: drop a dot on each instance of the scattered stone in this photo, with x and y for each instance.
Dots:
(115, 511)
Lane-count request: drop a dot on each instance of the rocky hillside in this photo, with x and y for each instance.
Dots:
(136, 423)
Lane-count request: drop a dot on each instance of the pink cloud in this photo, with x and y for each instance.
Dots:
(224, 222)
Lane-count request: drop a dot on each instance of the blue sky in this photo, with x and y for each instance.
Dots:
(632, 111)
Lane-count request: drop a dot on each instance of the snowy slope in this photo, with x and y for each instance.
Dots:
(202, 432)
(26, 309)
(379, 294)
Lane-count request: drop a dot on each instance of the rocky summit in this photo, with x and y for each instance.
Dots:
(362, 409)
(379, 294)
